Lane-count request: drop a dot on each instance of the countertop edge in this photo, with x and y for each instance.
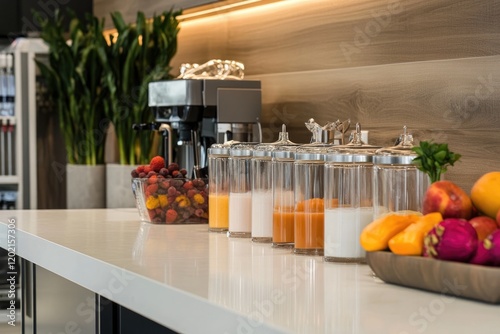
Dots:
(131, 290)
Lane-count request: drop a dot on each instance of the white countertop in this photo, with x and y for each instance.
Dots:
(193, 281)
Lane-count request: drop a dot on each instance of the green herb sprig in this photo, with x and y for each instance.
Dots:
(433, 159)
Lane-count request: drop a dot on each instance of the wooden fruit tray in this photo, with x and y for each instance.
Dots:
(451, 278)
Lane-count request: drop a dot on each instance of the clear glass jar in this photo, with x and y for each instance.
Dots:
(262, 195)
(348, 200)
(283, 196)
(399, 185)
(262, 187)
(218, 187)
(240, 190)
(309, 199)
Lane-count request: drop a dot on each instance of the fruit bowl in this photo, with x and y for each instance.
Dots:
(171, 200)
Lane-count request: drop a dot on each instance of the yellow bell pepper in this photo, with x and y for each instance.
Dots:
(410, 241)
(376, 235)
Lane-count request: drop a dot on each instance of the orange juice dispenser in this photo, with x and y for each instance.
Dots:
(283, 196)
(218, 187)
(309, 190)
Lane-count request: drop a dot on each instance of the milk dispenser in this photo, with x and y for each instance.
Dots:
(348, 198)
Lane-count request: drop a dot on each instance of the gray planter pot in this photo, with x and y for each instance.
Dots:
(119, 186)
(85, 186)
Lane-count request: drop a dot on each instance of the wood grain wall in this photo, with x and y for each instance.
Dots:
(430, 65)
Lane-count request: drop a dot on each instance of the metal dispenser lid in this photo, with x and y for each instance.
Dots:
(356, 151)
(266, 149)
(284, 153)
(242, 150)
(316, 150)
(401, 154)
(221, 149)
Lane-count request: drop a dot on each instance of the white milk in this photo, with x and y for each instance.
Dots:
(343, 227)
(262, 215)
(240, 213)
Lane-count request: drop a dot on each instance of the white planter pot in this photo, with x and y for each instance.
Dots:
(85, 186)
(119, 186)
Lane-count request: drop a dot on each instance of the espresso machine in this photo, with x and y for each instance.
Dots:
(193, 114)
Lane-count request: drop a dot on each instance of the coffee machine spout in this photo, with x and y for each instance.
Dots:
(166, 131)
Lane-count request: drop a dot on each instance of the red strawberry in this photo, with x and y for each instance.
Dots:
(152, 188)
(152, 214)
(140, 169)
(147, 169)
(165, 184)
(152, 179)
(157, 163)
(171, 216)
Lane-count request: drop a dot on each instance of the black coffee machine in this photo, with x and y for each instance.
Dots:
(193, 114)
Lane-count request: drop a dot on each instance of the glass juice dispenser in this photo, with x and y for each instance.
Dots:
(218, 187)
(283, 196)
(262, 186)
(240, 190)
(309, 191)
(348, 198)
(399, 185)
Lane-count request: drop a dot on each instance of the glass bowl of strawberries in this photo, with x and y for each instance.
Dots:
(164, 195)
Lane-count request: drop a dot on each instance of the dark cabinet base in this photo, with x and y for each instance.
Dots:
(114, 318)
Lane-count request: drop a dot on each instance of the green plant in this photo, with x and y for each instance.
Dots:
(433, 159)
(74, 76)
(138, 54)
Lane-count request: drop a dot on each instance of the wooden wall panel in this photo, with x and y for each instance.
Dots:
(432, 65)
(291, 36)
(454, 101)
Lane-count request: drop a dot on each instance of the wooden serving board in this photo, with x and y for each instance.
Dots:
(445, 277)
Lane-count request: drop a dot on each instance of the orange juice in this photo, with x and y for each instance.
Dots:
(309, 221)
(218, 212)
(283, 227)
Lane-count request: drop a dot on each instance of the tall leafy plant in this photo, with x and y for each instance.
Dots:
(138, 54)
(74, 76)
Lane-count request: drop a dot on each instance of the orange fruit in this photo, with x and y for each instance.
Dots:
(485, 194)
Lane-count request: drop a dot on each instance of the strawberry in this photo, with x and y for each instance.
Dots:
(152, 188)
(152, 179)
(188, 185)
(157, 163)
(171, 216)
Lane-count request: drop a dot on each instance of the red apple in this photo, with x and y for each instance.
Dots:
(448, 199)
(484, 226)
